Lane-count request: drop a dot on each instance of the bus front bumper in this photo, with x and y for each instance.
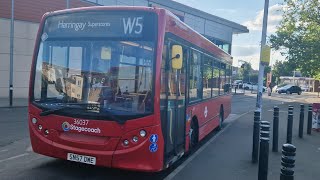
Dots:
(138, 158)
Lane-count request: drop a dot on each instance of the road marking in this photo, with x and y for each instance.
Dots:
(271, 110)
(232, 118)
(4, 150)
(14, 157)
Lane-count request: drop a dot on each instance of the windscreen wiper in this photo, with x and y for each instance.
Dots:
(108, 113)
(52, 111)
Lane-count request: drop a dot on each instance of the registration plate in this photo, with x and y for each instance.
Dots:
(81, 158)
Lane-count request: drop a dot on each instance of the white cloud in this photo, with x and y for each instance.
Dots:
(253, 56)
(244, 50)
(274, 18)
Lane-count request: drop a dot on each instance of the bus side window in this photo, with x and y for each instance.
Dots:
(222, 78)
(215, 78)
(207, 77)
(195, 77)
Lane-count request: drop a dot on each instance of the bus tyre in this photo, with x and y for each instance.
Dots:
(194, 133)
(221, 118)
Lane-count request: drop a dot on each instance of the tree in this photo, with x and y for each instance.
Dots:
(299, 36)
(245, 71)
(281, 69)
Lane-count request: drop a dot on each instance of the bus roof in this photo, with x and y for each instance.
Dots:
(179, 28)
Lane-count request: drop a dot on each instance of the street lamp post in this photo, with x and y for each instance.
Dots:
(11, 54)
(261, 65)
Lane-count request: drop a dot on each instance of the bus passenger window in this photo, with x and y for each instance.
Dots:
(195, 77)
(215, 78)
(207, 77)
(223, 79)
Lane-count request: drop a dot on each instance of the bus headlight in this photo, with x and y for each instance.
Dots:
(126, 142)
(143, 133)
(34, 120)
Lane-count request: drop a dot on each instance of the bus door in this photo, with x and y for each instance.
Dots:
(173, 107)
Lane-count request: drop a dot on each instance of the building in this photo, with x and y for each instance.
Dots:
(27, 15)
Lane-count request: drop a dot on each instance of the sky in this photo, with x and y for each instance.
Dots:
(250, 14)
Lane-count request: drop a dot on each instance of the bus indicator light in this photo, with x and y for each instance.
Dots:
(34, 120)
(46, 132)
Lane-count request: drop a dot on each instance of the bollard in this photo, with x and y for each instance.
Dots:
(290, 107)
(301, 121)
(290, 125)
(309, 126)
(264, 152)
(275, 137)
(256, 132)
(287, 162)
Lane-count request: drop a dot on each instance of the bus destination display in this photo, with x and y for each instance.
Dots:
(96, 25)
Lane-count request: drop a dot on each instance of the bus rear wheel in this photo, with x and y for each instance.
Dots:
(221, 118)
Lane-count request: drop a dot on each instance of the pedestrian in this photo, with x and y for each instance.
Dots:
(269, 91)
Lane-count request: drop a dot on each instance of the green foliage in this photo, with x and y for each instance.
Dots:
(282, 69)
(298, 36)
(245, 71)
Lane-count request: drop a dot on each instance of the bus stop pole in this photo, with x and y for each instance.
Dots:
(11, 54)
(261, 65)
(68, 4)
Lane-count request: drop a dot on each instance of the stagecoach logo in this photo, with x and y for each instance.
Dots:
(66, 126)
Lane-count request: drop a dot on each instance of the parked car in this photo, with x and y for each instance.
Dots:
(276, 87)
(252, 86)
(305, 88)
(289, 89)
(237, 83)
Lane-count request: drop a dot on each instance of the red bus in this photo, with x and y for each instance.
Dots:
(124, 87)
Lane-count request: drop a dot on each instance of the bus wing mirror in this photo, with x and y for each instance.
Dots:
(176, 56)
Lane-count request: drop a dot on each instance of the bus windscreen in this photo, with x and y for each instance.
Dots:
(93, 65)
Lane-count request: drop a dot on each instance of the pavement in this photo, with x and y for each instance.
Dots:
(229, 156)
(223, 155)
(16, 102)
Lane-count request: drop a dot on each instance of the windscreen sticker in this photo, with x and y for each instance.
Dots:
(153, 138)
(153, 147)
